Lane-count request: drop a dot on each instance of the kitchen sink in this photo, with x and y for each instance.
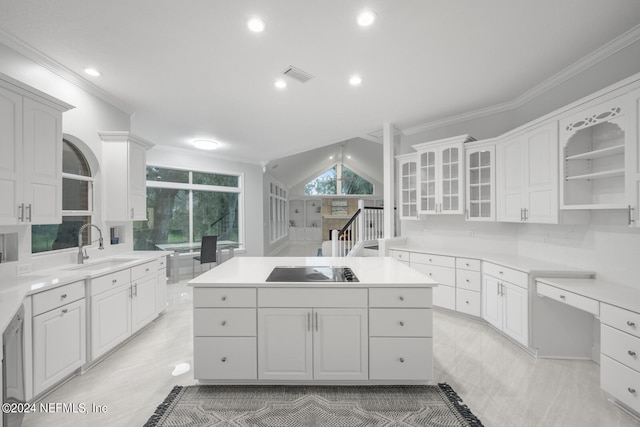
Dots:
(99, 265)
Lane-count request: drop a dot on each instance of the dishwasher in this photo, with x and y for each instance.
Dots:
(13, 390)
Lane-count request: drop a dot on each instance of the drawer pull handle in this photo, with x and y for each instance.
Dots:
(632, 390)
(402, 360)
(224, 322)
(401, 323)
(630, 323)
(631, 353)
(401, 298)
(224, 298)
(224, 359)
(63, 296)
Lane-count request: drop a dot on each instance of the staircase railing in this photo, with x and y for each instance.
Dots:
(364, 227)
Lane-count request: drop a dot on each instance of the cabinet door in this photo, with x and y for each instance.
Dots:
(451, 183)
(492, 301)
(408, 190)
(516, 313)
(511, 177)
(340, 344)
(285, 349)
(137, 182)
(481, 184)
(161, 293)
(633, 163)
(542, 174)
(428, 181)
(110, 320)
(143, 302)
(42, 151)
(59, 344)
(10, 156)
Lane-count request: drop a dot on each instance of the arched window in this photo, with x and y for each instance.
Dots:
(77, 204)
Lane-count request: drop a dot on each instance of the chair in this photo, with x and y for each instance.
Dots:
(208, 252)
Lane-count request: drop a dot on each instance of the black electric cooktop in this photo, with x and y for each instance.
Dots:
(312, 274)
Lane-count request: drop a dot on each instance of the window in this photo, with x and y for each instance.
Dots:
(183, 206)
(77, 205)
(338, 180)
(277, 212)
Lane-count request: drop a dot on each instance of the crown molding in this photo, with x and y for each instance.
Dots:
(598, 55)
(61, 71)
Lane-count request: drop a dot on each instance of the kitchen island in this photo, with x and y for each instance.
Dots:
(376, 330)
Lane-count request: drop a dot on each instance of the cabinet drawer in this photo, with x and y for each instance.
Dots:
(400, 297)
(224, 297)
(139, 271)
(622, 347)
(110, 281)
(578, 301)
(161, 263)
(230, 322)
(468, 302)
(54, 298)
(444, 275)
(468, 264)
(399, 255)
(619, 318)
(315, 297)
(400, 322)
(445, 297)
(400, 359)
(507, 274)
(225, 358)
(468, 279)
(429, 259)
(620, 382)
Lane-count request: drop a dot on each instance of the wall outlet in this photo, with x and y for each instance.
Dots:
(24, 269)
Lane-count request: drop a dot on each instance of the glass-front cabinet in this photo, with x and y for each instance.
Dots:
(407, 176)
(480, 189)
(441, 176)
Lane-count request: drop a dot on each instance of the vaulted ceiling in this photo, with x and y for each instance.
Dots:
(192, 69)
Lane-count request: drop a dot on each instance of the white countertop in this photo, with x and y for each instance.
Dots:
(620, 296)
(370, 271)
(527, 265)
(15, 289)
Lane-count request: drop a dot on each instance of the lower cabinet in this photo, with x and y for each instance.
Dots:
(318, 344)
(110, 320)
(505, 305)
(59, 344)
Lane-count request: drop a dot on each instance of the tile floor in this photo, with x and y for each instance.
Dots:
(503, 385)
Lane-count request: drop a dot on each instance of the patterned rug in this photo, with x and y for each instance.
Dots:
(322, 406)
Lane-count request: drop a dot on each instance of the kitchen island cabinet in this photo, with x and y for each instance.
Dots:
(247, 330)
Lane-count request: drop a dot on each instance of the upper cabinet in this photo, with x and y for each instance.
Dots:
(633, 177)
(527, 175)
(441, 175)
(124, 167)
(407, 177)
(599, 167)
(30, 155)
(481, 187)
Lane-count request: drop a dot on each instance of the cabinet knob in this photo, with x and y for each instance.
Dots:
(467, 280)
(224, 322)
(63, 296)
(224, 359)
(64, 311)
(501, 272)
(630, 323)
(113, 282)
(223, 298)
(631, 353)
(430, 260)
(401, 323)
(631, 390)
(402, 360)
(562, 297)
(466, 302)
(146, 270)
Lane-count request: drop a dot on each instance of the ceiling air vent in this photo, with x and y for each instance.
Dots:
(297, 74)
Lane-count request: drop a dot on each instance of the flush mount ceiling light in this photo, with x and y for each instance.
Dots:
(280, 84)
(355, 80)
(92, 72)
(256, 24)
(205, 144)
(366, 18)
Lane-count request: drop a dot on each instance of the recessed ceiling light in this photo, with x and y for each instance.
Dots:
(205, 144)
(366, 18)
(256, 24)
(280, 84)
(92, 72)
(355, 80)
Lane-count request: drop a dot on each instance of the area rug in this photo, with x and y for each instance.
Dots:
(321, 406)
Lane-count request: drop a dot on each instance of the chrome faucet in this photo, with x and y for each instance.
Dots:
(83, 256)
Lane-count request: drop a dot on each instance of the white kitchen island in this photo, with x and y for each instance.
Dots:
(374, 331)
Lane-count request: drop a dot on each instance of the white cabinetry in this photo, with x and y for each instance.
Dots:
(441, 269)
(505, 301)
(441, 175)
(468, 286)
(407, 177)
(633, 154)
(124, 161)
(480, 183)
(527, 176)
(30, 155)
(305, 220)
(59, 334)
(161, 293)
